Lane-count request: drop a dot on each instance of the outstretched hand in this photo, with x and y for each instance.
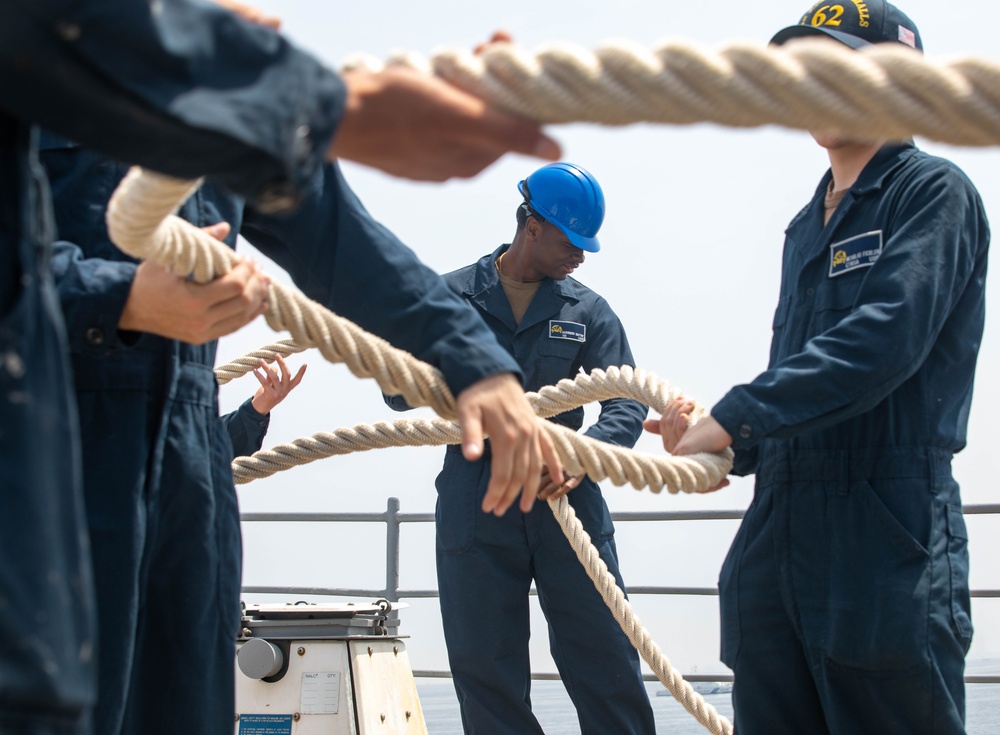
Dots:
(419, 127)
(274, 388)
(496, 406)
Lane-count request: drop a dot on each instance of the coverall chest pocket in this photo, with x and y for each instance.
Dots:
(835, 298)
(778, 327)
(557, 359)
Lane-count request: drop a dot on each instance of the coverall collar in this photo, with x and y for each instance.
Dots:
(487, 291)
(873, 175)
(872, 178)
(883, 163)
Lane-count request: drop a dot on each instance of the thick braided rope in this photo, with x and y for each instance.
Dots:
(249, 362)
(598, 385)
(884, 91)
(630, 624)
(600, 460)
(141, 223)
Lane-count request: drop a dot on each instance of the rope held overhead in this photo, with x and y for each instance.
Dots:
(884, 91)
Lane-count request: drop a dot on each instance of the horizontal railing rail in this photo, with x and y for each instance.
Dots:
(392, 591)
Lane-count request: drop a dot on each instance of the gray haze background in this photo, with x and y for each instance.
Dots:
(692, 247)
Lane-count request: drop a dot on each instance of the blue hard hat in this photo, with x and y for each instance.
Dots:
(569, 197)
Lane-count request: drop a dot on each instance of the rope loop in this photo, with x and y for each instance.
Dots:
(142, 223)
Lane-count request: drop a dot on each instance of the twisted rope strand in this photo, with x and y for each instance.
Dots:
(249, 362)
(630, 623)
(883, 91)
(600, 460)
(141, 223)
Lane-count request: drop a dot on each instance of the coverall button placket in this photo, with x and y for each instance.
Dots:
(95, 336)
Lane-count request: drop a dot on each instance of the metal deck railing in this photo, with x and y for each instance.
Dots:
(393, 520)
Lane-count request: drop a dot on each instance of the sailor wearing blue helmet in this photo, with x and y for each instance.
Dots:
(568, 197)
(554, 326)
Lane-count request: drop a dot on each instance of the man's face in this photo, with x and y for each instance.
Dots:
(834, 141)
(552, 254)
(829, 140)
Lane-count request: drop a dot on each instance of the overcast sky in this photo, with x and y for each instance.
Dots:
(690, 262)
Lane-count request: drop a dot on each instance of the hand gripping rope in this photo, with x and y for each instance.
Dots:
(881, 92)
(141, 223)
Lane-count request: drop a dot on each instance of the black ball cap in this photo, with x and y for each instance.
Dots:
(856, 23)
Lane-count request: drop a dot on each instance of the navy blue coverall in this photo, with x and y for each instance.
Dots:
(159, 491)
(107, 73)
(246, 427)
(485, 564)
(845, 598)
(177, 91)
(46, 594)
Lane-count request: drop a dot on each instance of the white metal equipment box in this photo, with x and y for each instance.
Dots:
(324, 670)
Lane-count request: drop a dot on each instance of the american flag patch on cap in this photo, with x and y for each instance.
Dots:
(908, 37)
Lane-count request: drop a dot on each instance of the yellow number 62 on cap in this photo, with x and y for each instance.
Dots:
(820, 17)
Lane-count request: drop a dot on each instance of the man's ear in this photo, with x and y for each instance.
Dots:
(532, 229)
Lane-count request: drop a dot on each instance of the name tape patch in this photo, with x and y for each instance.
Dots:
(860, 251)
(567, 330)
(265, 724)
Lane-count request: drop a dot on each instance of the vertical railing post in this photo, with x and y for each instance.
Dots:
(392, 550)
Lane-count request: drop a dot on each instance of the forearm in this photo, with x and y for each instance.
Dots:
(189, 91)
(246, 428)
(339, 256)
(620, 422)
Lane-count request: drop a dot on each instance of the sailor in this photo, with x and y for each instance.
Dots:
(555, 327)
(247, 425)
(107, 73)
(845, 595)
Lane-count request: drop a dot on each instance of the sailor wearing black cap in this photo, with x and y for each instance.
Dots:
(845, 597)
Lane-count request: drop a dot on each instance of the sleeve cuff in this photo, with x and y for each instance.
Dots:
(94, 329)
(735, 414)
